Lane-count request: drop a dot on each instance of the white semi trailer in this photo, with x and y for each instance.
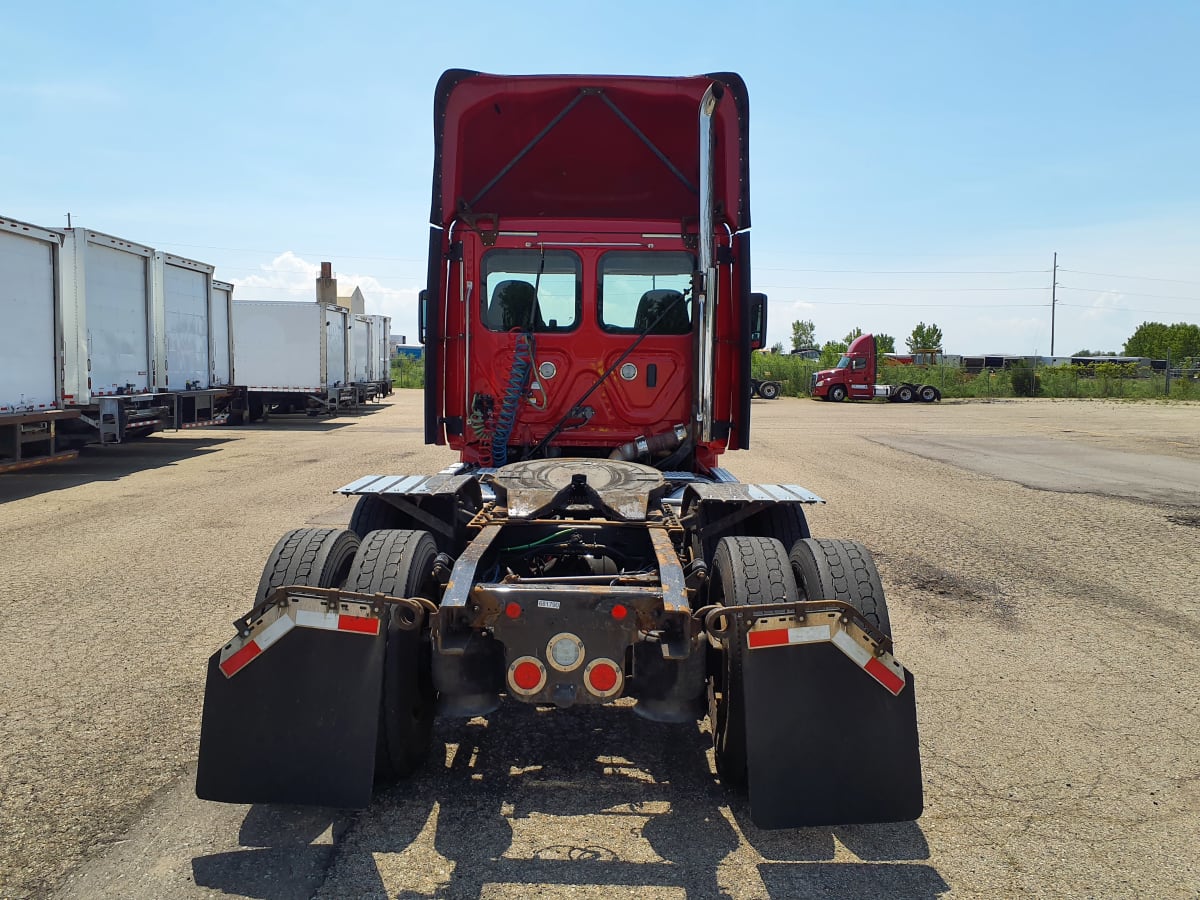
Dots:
(104, 339)
(293, 356)
(30, 395)
(370, 372)
(381, 353)
(138, 336)
(194, 340)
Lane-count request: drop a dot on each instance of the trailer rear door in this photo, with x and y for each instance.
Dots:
(185, 296)
(222, 297)
(361, 329)
(335, 346)
(117, 319)
(26, 318)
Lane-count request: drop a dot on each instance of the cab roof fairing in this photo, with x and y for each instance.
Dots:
(568, 146)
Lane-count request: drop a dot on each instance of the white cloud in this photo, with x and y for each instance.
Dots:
(290, 277)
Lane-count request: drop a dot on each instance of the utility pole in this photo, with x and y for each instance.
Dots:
(1053, 299)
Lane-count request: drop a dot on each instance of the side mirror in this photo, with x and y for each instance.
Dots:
(422, 313)
(758, 321)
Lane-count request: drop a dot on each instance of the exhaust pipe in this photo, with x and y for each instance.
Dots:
(706, 297)
(655, 443)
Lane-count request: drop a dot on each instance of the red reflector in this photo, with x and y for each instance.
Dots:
(884, 675)
(361, 624)
(527, 676)
(603, 678)
(619, 612)
(513, 610)
(770, 638)
(236, 662)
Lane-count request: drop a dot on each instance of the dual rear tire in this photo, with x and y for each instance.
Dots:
(753, 570)
(397, 563)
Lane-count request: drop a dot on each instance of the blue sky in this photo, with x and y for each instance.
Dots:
(909, 162)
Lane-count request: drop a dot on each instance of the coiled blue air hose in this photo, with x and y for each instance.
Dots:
(518, 384)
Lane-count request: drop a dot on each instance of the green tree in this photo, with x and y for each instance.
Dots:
(924, 337)
(831, 352)
(855, 332)
(804, 334)
(777, 347)
(885, 343)
(1156, 340)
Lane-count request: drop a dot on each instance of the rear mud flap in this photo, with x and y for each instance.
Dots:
(298, 724)
(827, 744)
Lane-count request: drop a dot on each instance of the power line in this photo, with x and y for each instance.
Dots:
(1134, 277)
(1128, 293)
(1165, 312)
(909, 271)
(924, 305)
(303, 289)
(313, 253)
(912, 290)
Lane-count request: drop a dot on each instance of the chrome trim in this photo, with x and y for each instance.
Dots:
(706, 299)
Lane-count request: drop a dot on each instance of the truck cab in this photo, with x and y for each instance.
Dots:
(855, 378)
(591, 310)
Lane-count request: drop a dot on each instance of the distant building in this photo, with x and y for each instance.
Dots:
(327, 292)
(399, 343)
(355, 302)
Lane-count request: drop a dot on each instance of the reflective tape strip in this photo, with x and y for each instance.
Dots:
(775, 637)
(304, 612)
(358, 624)
(893, 681)
(782, 631)
(309, 618)
(274, 632)
(852, 648)
(335, 621)
(235, 663)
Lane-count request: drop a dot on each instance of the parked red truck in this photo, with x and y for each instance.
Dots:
(854, 378)
(588, 325)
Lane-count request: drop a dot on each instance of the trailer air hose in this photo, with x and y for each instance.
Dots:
(514, 390)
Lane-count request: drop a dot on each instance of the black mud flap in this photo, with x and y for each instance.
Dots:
(827, 744)
(298, 724)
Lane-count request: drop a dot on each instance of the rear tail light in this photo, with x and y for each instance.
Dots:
(603, 677)
(526, 675)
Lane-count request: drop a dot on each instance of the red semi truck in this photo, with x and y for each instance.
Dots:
(588, 325)
(854, 378)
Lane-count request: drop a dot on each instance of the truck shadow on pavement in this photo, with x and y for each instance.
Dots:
(584, 797)
(302, 421)
(96, 463)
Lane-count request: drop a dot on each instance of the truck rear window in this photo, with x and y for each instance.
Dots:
(641, 288)
(515, 295)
